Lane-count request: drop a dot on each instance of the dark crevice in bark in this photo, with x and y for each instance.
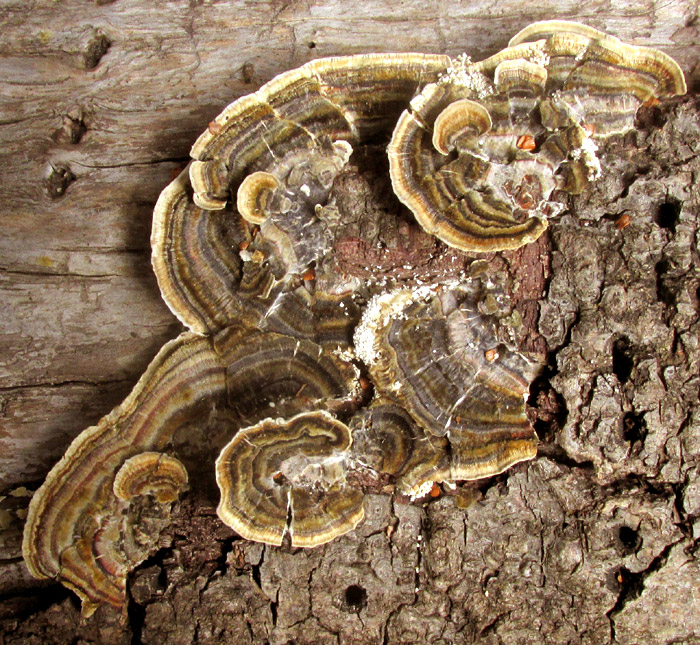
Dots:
(631, 584)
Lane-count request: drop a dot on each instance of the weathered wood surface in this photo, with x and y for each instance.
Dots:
(99, 104)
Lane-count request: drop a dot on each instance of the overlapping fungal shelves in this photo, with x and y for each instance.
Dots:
(320, 363)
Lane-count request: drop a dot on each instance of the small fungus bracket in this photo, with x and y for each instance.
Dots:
(287, 477)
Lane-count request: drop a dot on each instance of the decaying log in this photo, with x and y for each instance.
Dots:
(595, 541)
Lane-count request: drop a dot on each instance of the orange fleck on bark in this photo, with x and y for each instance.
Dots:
(623, 221)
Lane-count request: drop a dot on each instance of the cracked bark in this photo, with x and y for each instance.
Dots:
(596, 541)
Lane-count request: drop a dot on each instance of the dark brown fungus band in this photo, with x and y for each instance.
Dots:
(78, 526)
(271, 374)
(288, 477)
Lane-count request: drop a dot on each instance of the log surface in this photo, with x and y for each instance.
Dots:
(595, 542)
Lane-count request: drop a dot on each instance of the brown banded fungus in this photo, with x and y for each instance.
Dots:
(79, 526)
(288, 476)
(150, 473)
(270, 374)
(299, 361)
(432, 354)
(454, 155)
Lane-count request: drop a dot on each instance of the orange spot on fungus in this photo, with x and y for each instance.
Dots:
(526, 142)
(215, 127)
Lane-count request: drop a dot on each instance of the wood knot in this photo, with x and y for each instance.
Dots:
(60, 177)
(96, 48)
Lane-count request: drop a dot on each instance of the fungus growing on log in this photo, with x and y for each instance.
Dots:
(429, 354)
(558, 83)
(79, 526)
(288, 476)
(316, 367)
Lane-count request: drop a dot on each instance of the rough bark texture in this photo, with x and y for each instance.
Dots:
(596, 541)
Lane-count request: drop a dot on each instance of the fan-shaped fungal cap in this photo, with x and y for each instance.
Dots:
(590, 44)
(79, 528)
(150, 473)
(195, 255)
(212, 179)
(520, 75)
(345, 97)
(428, 354)
(288, 476)
(254, 195)
(463, 118)
(266, 369)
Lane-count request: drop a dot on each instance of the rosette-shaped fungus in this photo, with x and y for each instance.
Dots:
(288, 477)
(246, 245)
(478, 154)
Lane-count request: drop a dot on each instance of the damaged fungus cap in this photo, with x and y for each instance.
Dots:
(433, 356)
(388, 440)
(451, 197)
(283, 477)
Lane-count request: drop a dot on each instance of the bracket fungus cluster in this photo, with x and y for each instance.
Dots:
(296, 369)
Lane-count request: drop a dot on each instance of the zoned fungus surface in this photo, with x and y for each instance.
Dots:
(288, 476)
(335, 330)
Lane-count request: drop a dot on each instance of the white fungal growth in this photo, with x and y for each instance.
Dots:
(535, 53)
(422, 490)
(461, 72)
(587, 154)
(379, 311)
